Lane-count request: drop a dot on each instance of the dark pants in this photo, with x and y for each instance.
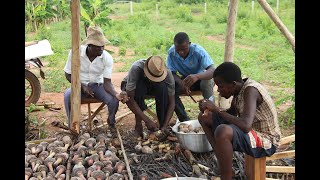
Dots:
(157, 89)
(242, 142)
(205, 86)
(100, 94)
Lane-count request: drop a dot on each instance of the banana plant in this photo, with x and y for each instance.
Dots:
(36, 12)
(94, 13)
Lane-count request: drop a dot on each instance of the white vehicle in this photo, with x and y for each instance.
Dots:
(33, 51)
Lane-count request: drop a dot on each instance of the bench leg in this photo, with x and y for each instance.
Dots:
(89, 117)
(255, 168)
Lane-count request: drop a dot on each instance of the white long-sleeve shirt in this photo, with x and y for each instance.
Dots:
(92, 72)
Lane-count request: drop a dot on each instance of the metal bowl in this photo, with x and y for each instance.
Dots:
(183, 178)
(195, 142)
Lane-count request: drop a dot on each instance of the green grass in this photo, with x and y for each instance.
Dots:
(261, 50)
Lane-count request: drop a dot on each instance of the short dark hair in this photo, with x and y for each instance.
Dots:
(180, 38)
(228, 71)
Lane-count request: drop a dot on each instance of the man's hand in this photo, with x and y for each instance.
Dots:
(187, 90)
(190, 80)
(123, 97)
(87, 90)
(207, 104)
(152, 126)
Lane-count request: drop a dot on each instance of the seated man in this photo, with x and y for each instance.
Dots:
(95, 74)
(150, 77)
(250, 125)
(195, 67)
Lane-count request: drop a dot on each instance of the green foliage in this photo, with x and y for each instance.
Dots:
(122, 51)
(288, 117)
(94, 13)
(55, 81)
(183, 13)
(190, 1)
(43, 33)
(139, 20)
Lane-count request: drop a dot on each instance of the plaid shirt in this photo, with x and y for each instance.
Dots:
(265, 121)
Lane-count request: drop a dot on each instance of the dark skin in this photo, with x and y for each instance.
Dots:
(139, 115)
(221, 139)
(183, 50)
(92, 52)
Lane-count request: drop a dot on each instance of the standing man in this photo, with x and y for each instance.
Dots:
(192, 69)
(150, 77)
(95, 74)
(250, 125)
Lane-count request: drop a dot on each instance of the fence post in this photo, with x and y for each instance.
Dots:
(205, 8)
(277, 8)
(157, 13)
(131, 10)
(252, 6)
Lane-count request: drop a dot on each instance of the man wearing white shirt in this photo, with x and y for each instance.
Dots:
(95, 74)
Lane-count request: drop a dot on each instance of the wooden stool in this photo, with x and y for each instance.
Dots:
(88, 101)
(255, 168)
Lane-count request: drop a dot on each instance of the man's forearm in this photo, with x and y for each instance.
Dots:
(133, 106)
(108, 86)
(170, 111)
(110, 89)
(206, 75)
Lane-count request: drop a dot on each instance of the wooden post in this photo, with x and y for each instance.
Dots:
(278, 22)
(75, 66)
(131, 9)
(277, 7)
(229, 46)
(205, 8)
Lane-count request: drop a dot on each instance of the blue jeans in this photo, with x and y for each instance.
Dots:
(99, 93)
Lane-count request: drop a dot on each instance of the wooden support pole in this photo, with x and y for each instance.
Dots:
(229, 45)
(280, 155)
(124, 156)
(278, 22)
(75, 66)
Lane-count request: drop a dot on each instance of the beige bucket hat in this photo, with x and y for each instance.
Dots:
(154, 69)
(95, 36)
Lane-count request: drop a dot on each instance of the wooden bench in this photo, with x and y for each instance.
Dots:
(92, 115)
(256, 169)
